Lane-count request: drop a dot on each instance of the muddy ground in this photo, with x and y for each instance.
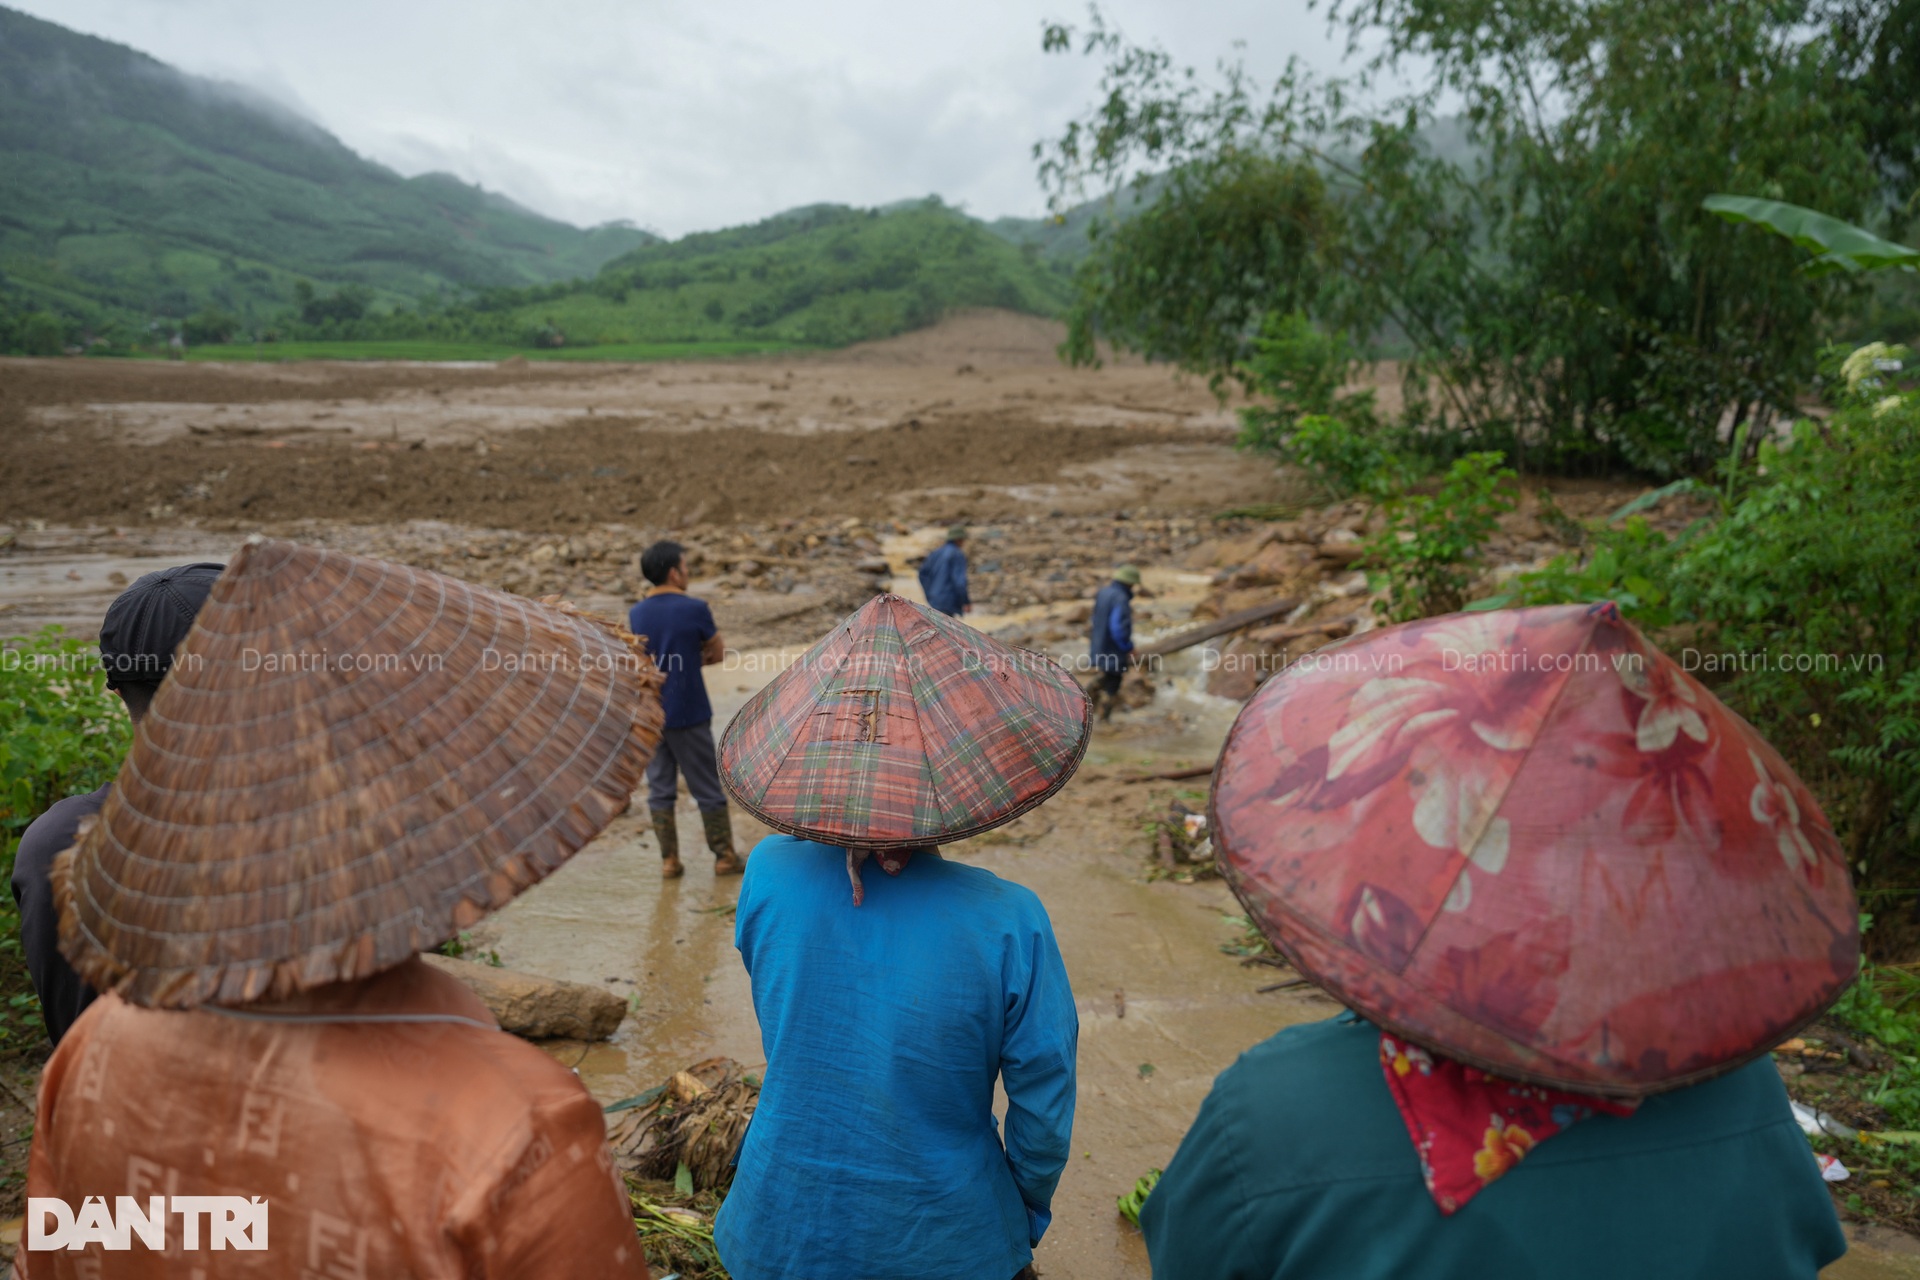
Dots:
(801, 486)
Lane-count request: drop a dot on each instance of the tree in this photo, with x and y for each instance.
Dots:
(1549, 273)
(210, 325)
(42, 334)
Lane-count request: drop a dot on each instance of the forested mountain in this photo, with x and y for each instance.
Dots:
(130, 190)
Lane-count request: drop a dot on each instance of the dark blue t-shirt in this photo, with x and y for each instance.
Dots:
(676, 625)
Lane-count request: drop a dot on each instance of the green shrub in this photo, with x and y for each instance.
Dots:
(1428, 554)
(1810, 578)
(62, 732)
(1309, 419)
(1631, 565)
(42, 334)
(1801, 607)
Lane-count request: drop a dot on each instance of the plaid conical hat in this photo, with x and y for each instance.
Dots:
(904, 728)
(350, 762)
(1528, 839)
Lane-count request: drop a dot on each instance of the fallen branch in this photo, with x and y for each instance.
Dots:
(1282, 986)
(1218, 627)
(1272, 635)
(1169, 775)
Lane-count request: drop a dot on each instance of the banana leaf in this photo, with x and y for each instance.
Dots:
(1837, 245)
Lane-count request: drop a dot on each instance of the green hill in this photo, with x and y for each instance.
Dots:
(823, 275)
(135, 191)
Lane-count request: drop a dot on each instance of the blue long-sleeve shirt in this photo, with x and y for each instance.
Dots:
(943, 576)
(1110, 635)
(873, 1151)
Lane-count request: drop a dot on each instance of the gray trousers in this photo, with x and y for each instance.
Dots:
(687, 751)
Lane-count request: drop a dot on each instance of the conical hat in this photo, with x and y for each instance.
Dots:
(903, 728)
(350, 762)
(1529, 840)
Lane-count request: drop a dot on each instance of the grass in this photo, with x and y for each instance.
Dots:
(430, 350)
(61, 734)
(1860, 1064)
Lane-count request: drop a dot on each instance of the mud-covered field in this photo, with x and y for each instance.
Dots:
(801, 486)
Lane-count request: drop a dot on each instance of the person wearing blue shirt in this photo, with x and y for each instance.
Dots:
(873, 1151)
(681, 635)
(943, 575)
(1110, 638)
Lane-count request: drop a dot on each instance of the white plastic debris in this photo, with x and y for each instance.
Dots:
(1812, 1122)
(1831, 1169)
(1195, 824)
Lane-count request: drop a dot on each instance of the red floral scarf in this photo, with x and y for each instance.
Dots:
(1470, 1127)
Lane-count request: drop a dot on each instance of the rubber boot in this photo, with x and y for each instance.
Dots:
(667, 831)
(719, 828)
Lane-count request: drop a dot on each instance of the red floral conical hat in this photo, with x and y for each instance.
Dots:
(1529, 840)
(903, 728)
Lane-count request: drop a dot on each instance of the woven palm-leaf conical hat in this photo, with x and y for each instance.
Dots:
(350, 762)
(904, 728)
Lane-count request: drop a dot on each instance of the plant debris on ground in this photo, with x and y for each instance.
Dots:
(1182, 848)
(675, 1145)
(1858, 1068)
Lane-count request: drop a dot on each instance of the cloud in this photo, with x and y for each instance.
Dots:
(684, 118)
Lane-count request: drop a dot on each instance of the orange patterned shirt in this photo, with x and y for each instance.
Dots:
(393, 1130)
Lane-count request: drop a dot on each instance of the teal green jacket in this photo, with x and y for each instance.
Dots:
(1299, 1167)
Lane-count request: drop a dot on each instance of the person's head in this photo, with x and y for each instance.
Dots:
(145, 624)
(958, 533)
(661, 562)
(1128, 574)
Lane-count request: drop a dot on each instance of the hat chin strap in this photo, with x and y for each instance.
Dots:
(892, 861)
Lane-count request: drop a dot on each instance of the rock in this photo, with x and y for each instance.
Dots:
(545, 553)
(1342, 546)
(535, 1007)
(749, 568)
(1239, 669)
(1277, 562)
(874, 564)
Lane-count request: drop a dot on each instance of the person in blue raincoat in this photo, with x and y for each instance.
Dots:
(1110, 636)
(943, 575)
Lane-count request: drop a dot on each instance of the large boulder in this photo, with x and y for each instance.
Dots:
(535, 1007)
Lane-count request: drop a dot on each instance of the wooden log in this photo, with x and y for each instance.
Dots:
(1218, 627)
(1169, 775)
(1271, 635)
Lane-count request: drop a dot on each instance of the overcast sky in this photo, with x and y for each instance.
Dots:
(688, 117)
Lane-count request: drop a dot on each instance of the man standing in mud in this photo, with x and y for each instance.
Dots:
(144, 625)
(681, 636)
(1110, 636)
(943, 575)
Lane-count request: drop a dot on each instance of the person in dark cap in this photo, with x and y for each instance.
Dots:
(1110, 637)
(143, 626)
(943, 575)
